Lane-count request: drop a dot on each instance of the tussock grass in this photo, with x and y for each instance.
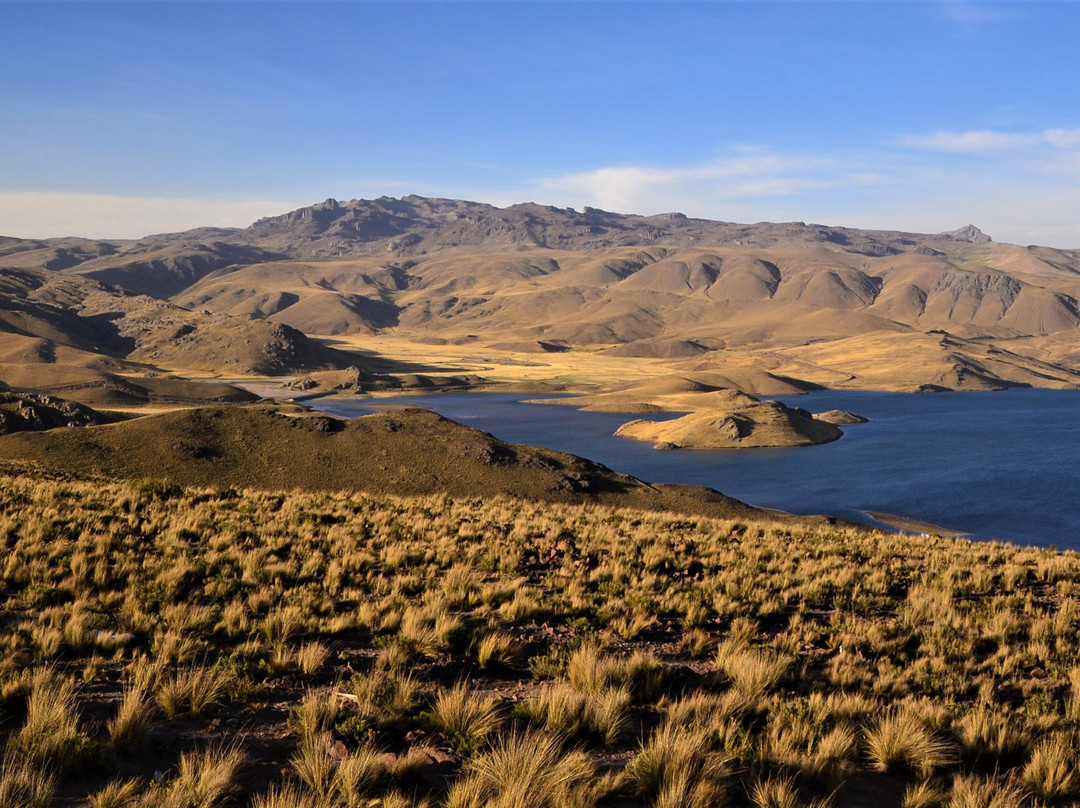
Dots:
(943, 670)
(51, 736)
(1052, 770)
(314, 764)
(193, 690)
(562, 710)
(311, 657)
(902, 741)
(925, 794)
(970, 791)
(467, 719)
(358, 777)
(753, 671)
(204, 778)
(315, 715)
(287, 796)
(525, 771)
(498, 648)
(23, 784)
(679, 763)
(127, 729)
(991, 737)
(776, 792)
(591, 670)
(117, 794)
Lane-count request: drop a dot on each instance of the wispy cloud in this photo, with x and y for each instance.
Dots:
(747, 172)
(44, 214)
(1022, 187)
(976, 14)
(985, 141)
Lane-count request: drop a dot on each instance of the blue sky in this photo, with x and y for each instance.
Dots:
(121, 119)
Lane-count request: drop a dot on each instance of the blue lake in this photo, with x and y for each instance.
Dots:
(1002, 465)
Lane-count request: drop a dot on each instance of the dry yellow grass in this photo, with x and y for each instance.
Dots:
(839, 653)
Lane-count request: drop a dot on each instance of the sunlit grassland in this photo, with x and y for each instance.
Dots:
(165, 646)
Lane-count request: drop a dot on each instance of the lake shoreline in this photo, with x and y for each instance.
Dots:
(937, 464)
(905, 524)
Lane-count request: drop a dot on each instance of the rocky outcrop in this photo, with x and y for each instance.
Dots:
(27, 412)
(969, 233)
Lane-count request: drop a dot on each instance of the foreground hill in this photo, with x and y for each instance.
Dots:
(822, 304)
(167, 647)
(401, 452)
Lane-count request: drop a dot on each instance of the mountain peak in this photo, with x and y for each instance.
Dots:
(969, 233)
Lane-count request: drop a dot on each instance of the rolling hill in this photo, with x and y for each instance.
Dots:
(100, 344)
(823, 305)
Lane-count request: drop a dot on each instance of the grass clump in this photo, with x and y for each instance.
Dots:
(971, 791)
(525, 771)
(117, 794)
(51, 736)
(25, 785)
(753, 671)
(127, 729)
(562, 710)
(204, 779)
(467, 719)
(901, 741)
(194, 690)
(1051, 771)
(679, 764)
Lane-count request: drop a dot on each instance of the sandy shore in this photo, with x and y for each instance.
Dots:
(915, 526)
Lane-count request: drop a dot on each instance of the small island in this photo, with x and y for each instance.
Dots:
(715, 417)
(754, 424)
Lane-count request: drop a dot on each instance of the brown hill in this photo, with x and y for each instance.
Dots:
(401, 452)
(717, 417)
(668, 287)
(59, 331)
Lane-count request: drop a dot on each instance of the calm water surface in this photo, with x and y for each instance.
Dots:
(1000, 465)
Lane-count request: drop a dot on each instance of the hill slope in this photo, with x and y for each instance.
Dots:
(400, 452)
(61, 332)
(668, 286)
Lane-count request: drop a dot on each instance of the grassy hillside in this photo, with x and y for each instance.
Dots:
(162, 646)
(399, 452)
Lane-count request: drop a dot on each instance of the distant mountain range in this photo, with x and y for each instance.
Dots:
(829, 305)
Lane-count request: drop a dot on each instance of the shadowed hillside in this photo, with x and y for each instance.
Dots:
(399, 452)
(62, 333)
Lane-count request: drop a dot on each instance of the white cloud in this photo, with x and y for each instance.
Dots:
(749, 173)
(1063, 138)
(46, 214)
(1026, 198)
(985, 141)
